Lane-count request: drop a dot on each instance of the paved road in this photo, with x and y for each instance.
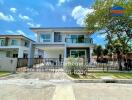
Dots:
(58, 87)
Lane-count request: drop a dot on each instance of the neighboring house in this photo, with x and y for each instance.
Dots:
(16, 46)
(64, 42)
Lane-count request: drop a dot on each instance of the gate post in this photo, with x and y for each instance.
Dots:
(31, 55)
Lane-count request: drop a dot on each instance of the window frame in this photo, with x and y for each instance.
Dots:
(15, 42)
(2, 42)
(44, 37)
(77, 50)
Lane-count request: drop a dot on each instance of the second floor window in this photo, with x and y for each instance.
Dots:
(57, 37)
(2, 43)
(77, 38)
(26, 44)
(14, 42)
(45, 37)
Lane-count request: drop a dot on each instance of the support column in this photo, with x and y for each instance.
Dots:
(20, 53)
(31, 55)
(65, 52)
(91, 51)
(38, 37)
(52, 37)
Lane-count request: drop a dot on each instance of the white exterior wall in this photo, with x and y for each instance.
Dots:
(18, 50)
(18, 41)
(38, 52)
(91, 51)
(2, 54)
(8, 64)
(22, 50)
(53, 53)
(51, 38)
(38, 37)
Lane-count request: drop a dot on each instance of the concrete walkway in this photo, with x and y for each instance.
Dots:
(63, 92)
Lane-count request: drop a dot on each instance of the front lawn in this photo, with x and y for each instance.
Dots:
(99, 75)
(4, 74)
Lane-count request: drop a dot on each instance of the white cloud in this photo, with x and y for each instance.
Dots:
(20, 32)
(6, 17)
(60, 2)
(13, 10)
(64, 18)
(33, 25)
(33, 11)
(79, 13)
(23, 17)
(9, 31)
(101, 35)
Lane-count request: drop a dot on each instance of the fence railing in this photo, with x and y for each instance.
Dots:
(76, 40)
(43, 64)
(39, 62)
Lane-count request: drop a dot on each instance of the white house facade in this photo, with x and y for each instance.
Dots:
(64, 42)
(16, 46)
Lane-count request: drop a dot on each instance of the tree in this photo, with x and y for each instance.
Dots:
(98, 51)
(118, 30)
(105, 52)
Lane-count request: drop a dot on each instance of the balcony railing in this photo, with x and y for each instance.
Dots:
(76, 40)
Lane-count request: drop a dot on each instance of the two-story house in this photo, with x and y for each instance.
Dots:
(16, 46)
(63, 42)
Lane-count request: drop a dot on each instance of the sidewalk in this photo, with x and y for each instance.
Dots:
(63, 92)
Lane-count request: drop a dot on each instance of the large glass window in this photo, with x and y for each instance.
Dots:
(26, 44)
(45, 37)
(78, 53)
(14, 42)
(77, 38)
(57, 37)
(15, 55)
(2, 42)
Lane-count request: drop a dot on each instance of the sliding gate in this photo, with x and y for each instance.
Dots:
(40, 65)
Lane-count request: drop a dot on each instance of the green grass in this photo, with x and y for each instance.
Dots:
(4, 73)
(99, 75)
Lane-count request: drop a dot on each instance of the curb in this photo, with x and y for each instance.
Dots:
(122, 81)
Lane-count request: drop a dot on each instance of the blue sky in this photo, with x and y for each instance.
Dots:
(17, 16)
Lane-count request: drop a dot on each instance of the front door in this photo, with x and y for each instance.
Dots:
(78, 53)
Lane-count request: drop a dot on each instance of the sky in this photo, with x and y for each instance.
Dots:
(17, 16)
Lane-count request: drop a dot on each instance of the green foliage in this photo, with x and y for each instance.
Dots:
(118, 30)
(98, 50)
(71, 64)
(105, 52)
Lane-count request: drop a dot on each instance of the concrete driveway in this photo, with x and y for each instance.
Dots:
(57, 86)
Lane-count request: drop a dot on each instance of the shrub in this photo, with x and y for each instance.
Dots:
(72, 64)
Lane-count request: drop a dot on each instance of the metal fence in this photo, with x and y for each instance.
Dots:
(56, 65)
(40, 64)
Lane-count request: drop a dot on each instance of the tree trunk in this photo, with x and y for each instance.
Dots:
(119, 58)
